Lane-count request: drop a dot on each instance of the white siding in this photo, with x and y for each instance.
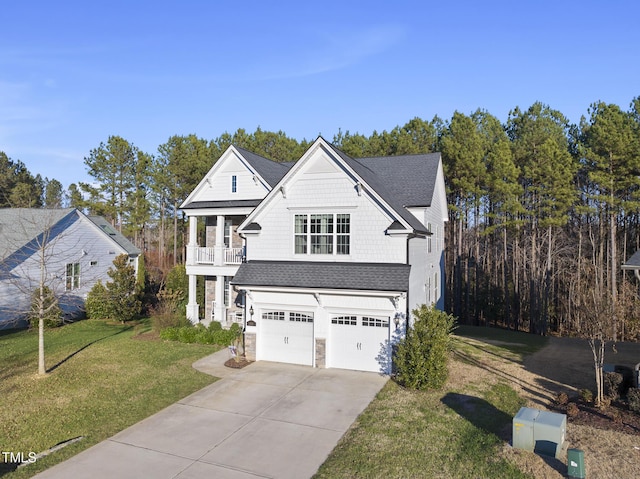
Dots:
(82, 242)
(325, 192)
(218, 186)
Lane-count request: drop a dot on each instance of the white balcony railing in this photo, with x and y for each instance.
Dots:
(233, 255)
(205, 255)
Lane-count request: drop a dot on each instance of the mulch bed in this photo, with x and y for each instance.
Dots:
(615, 417)
(237, 363)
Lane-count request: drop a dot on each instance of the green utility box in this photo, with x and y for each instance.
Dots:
(575, 464)
(540, 431)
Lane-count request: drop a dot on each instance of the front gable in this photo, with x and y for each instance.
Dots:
(324, 179)
(322, 187)
(230, 178)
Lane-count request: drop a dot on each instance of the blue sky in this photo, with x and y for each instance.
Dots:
(72, 73)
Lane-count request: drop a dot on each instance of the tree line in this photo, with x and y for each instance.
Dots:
(542, 212)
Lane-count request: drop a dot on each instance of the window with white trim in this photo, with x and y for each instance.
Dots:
(326, 233)
(227, 290)
(72, 276)
(234, 183)
(375, 322)
(274, 315)
(301, 317)
(429, 238)
(347, 320)
(227, 233)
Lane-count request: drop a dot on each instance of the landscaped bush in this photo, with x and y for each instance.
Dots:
(562, 399)
(422, 355)
(214, 334)
(586, 395)
(612, 384)
(120, 298)
(97, 303)
(166, 313)
(572, 409)
(633, 399)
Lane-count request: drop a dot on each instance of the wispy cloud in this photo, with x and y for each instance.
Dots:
(333, 51)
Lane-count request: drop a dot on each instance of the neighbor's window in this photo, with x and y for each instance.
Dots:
(322, 234)
(234, 184)
(73, 276)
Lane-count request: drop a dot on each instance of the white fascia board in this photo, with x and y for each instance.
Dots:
(320, 143)
(218, 211)
(343, 292)
(278, 187)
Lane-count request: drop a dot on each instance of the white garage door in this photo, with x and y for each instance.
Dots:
(360, 343)
(286, 337)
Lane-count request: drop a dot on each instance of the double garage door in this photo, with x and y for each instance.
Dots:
(357, 342)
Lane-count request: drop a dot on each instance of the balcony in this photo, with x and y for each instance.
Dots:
(205, 255)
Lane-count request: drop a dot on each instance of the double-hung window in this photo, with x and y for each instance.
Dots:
(234, 183)
(325, 233)
(72, 276)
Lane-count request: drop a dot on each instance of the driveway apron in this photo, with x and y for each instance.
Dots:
(267, 420)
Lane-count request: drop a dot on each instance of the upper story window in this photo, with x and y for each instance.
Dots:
(72, 276)
(322, 233)
(234, 184)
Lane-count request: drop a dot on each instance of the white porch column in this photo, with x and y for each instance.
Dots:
(192, 305)
(220, 313)
(218, 248)
(193, 240)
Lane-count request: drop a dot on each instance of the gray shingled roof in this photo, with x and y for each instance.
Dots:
(400, 180)
(222, 204)
(324, 275)
(271, 171)
(633, 262)
(19, 226)
(411, 178)
(116, 236)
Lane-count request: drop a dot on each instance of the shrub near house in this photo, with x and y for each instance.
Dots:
(119, 300)
(421, 357)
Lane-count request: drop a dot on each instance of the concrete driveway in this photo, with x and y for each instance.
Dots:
(265, 420)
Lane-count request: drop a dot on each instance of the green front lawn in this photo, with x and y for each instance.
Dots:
(103, 378)
(456, 432)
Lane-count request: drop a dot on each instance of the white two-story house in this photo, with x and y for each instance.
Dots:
(321, 260)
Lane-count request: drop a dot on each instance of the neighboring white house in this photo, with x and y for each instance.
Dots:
(321, 260)
(70, 250)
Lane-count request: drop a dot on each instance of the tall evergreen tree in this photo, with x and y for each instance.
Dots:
(112, 167)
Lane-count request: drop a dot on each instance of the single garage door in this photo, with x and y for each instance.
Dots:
(286, 337)
(360, 343)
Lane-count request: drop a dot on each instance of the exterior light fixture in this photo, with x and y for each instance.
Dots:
(251, 322)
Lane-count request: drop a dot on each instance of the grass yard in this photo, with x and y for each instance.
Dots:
(101, 380)
(456, 432)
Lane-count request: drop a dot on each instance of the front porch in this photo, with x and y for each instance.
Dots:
(217, 261)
